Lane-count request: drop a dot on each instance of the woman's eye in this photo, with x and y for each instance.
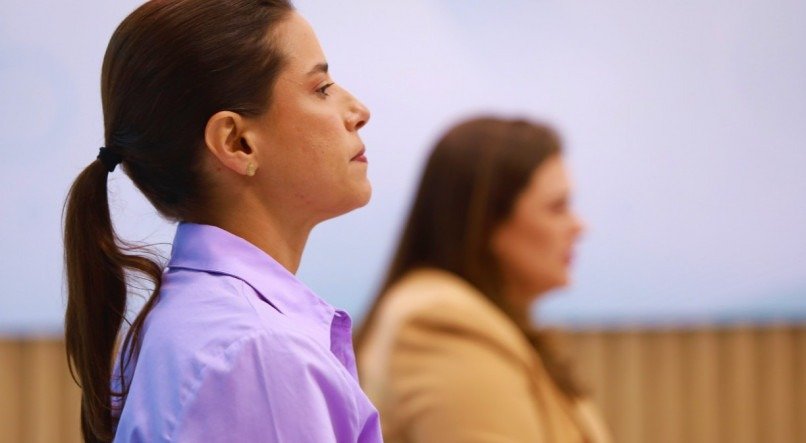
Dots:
(323, 89)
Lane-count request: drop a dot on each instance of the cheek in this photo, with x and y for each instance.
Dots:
(317, 123)
(320, 148)
(530, 251)
(303, 152)
(535, 250)
(303, 125)
(521, 246)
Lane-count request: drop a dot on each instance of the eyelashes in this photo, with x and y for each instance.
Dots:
(323, 90)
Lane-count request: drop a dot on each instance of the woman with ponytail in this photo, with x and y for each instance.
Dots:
(223, 114)
(447, 351)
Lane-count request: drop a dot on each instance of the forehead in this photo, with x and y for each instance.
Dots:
(297, 40)
(549, 179)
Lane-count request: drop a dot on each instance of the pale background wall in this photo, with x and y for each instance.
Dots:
(685, 124)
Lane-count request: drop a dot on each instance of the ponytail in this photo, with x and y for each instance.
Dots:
(168, 67)
(96, 262)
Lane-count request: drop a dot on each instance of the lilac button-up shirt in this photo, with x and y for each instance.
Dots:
(238, 350)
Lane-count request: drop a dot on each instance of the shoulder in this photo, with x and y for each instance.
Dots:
(206, 320)
(419, 292)
(278, 358)
(270, 383)
(201, 317)
(203, 312)
(438, 302)
(446, 364)
(435, 308)
(229, 381)
(266, 386)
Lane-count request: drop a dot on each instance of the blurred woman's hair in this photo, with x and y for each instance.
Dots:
(169, 67)
(469, 187)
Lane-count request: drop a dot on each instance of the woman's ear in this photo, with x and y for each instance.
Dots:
(224, 138)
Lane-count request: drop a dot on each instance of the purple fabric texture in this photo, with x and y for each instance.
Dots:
(237, 349)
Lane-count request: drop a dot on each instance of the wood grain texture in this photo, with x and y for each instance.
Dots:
(668, 384)
(71, 408)
(800, 384)
(777, 366)
(701, 381)
(742, 386)
(11, 391)
(43, 362)
(705, 384)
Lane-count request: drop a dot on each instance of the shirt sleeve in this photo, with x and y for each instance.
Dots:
(267, 389)
(454, 383)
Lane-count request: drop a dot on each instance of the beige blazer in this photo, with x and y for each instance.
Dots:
(443, 364)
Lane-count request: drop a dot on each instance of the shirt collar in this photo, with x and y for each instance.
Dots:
(211, 249)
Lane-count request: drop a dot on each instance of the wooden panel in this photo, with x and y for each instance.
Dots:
(777, 404)
(10, 390)
(665, 387)
(71, 409)
(701, 377)
(589, 363)
(800, 383)
(739, 384)
(625, 404)
(745, 384)
(44, 365)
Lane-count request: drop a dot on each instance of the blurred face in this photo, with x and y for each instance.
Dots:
(311, 160)
(534, 246)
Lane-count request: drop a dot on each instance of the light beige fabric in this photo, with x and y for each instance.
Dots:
(443, 364)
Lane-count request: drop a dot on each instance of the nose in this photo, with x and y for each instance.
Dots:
(359, 115)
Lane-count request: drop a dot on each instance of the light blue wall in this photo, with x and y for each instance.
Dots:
(684, 121)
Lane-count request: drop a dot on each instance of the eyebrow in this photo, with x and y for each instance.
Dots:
(320, 67)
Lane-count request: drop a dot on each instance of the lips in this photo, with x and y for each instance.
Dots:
(360, 157)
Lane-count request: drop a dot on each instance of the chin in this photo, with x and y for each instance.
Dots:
(563, 280)
(558, 282)
(358, 198)
(366, 194)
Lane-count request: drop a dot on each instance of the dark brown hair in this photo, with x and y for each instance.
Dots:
(469, 186)
(169, 67)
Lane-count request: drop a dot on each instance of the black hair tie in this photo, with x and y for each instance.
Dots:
(109, 158)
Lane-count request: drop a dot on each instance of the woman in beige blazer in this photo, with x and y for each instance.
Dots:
(447, 352)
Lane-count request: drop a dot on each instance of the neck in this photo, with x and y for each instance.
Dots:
(280, 237)
(521, 300)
